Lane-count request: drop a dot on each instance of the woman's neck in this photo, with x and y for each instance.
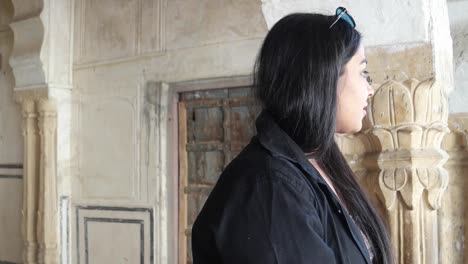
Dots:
(324, 175)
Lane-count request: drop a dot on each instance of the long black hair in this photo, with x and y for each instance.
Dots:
(295, 79)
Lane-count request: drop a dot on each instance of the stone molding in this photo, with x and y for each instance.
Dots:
(28, 29)
(154, 159)
(42, 47)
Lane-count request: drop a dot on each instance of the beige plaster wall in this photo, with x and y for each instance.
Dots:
(10, 149)
(384, 14)
(459, 31)
(120, 48)
(201, 39)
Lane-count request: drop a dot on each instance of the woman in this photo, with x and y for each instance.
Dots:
(289, 196)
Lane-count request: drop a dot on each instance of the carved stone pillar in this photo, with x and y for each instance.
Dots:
(452, 220)
(410, 120)
(41, 63)
(47, 214)
(40, 203)
(30, 180)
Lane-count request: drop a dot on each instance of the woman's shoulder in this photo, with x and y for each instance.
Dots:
(256, 180)
(256, 164)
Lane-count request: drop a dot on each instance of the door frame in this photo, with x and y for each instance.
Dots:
(178, 202)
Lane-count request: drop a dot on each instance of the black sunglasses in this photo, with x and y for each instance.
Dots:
(342, 13)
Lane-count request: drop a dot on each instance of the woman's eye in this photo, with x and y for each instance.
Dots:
(365, 74)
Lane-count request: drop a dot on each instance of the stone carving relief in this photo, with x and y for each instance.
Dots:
(410, 120)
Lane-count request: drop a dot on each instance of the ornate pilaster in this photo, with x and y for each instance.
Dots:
(47, 214)
(31, 176)
(40, 203)
(41, 64)
(410, 121)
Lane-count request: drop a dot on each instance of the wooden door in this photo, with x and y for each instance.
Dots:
(214, 126)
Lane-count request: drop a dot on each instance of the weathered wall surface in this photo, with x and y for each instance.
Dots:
(459, 29)
(383, 16)
(119, 132)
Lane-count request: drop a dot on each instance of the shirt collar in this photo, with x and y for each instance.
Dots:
(275, 140)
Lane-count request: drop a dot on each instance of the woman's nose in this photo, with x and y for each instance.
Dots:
(370, 90)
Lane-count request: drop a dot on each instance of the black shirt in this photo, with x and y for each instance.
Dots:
(270, 205)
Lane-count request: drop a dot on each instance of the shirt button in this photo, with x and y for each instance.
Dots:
(339, 211)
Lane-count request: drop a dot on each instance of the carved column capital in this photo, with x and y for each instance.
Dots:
(410, 120)
(47, 112)
(28, 112)
(409, 115)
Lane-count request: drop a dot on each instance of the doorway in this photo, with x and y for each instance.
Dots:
(214, 126)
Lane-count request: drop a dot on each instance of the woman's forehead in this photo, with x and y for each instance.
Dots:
(359, 57)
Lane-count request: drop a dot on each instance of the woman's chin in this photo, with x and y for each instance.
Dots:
(351, 129)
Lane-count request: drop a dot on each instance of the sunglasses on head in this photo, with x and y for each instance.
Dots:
(342, 13)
